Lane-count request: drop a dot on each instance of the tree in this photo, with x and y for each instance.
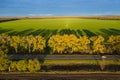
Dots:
(34, 65)
(13, 66)
(38, 44)
(22, 65)
(4, 62)
(97, 44)
(33, 43)
(83, 44)
(4, 42)
(68, 44)
(113, 44)
(15, 42)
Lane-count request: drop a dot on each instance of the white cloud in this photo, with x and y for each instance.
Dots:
(99, 14)
(40, 14)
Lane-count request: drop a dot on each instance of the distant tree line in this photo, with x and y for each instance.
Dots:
(60, 44)
(107, 17)
(8, 19)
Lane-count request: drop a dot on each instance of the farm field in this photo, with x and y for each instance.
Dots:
(58, 44)
(48, 27)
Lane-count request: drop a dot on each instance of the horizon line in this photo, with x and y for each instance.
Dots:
(59, 16)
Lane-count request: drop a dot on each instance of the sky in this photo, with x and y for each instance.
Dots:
(59, 7)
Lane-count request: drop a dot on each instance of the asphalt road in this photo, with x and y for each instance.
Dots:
(78, 57)
(59, 77)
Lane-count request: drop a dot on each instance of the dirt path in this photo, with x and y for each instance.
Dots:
(59, 77)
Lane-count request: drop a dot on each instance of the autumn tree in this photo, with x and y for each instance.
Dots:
(34, 65)
(28, 43)
(38, 44)
(113, 44)
(83, 44)
(4, 42)
(97, 44)
(15, 42)
(22, 65)
(13, 66)
(4, 62)
(68, 44)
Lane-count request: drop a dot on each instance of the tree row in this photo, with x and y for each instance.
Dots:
(60, 44)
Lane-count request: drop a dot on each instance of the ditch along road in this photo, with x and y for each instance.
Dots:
(59, 77)
(77, 57)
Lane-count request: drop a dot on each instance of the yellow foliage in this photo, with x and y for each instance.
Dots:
(68, 43)
(98, 44)
(114, 44)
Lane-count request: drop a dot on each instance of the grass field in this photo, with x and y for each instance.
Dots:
(73, 62)
(48, 27)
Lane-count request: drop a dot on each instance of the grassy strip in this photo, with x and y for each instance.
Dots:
(72, 62)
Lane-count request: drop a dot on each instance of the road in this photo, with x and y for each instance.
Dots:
(78, 57)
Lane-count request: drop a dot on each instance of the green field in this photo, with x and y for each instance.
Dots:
(48, 27)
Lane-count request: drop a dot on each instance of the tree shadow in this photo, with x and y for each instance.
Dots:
(46, 33)
(89, 33)
(115, 31)
(21, 33)
(55, 32)
(25, 32)
(99, 33)
(79, 32)
(111, 31)
(106, 32)
(68, 31)
(75, 33)
(63, 31)
(13, 33)
(4, 30)
(36, 32)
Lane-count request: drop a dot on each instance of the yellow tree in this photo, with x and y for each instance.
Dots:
(114, 44)
(55, 44)
(84, 44)
(68, 43)
(38, 44)
(23, 44)
(29, 42)
(98, 45)
(4, 42)
(15, 42)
